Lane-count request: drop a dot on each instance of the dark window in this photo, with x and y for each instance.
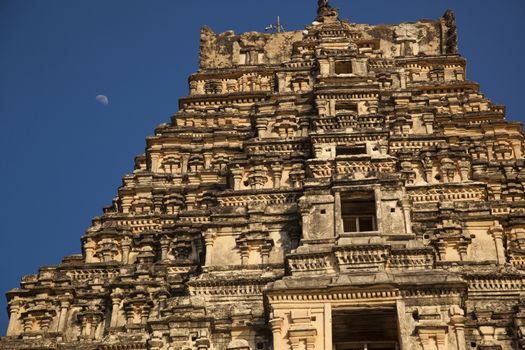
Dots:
(345, 107)
(358, 211)
(365, 329)
(344, 67)
(350, 151)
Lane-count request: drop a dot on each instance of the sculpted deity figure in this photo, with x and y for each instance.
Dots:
(325, 11)
(322, 4)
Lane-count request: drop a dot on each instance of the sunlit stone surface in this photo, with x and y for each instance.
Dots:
(342, 187)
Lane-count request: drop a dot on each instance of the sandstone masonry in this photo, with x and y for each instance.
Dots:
(343, 187)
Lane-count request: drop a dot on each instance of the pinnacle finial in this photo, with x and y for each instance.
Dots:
(322, 5)
(325, 12)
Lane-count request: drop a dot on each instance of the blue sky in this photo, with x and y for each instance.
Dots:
(64, 153)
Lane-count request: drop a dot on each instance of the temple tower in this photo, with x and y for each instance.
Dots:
(340, 187)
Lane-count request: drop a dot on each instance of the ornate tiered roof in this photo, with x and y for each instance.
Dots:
(340, 187)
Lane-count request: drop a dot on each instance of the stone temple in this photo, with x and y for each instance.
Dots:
(340, 187)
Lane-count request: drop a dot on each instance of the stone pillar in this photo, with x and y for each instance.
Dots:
(126, 204)
(442, 250)
(62, 317)
(495, 188)
(464, 169)
(338, 220)
(276, 324)
(237, 177)
(428, 121)
(126, 248)
(184, 163)
(96, 323)
(490, 152)
(519, 322)
(378, 194)
(497, 233)
(265, 254)
(154, 162)
(516, 147)
(261, 126)
(304, 125)
(277, 170)
(203, 342)
(85, 325)
(458, 322)
(209, 239)
(89, 249)
(405, 204)
(14, 324)
(462, 248)
(327, 326)
(161, 304)
(164, 246)
(441, 342)
(332, 104)
(324, 67)
(403, 327)
(115, 310)
(208, 157)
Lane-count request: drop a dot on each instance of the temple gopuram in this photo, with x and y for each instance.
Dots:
(341, 187)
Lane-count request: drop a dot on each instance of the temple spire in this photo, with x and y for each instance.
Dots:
(322, 5)
(325, 11)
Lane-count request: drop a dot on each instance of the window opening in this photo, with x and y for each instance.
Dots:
(342, 107)
(365, 329)
(343, 67)
(358, 211)
(350, 150)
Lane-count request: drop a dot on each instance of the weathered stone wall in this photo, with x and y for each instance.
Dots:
(341, 187)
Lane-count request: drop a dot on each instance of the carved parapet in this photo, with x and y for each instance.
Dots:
(411, 259)
(362, 257)
(270, 198)
(313, 263)
(224, 288)
(444, 193)
(357, 167)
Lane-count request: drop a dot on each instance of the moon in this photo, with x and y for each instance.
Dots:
(102, 99)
